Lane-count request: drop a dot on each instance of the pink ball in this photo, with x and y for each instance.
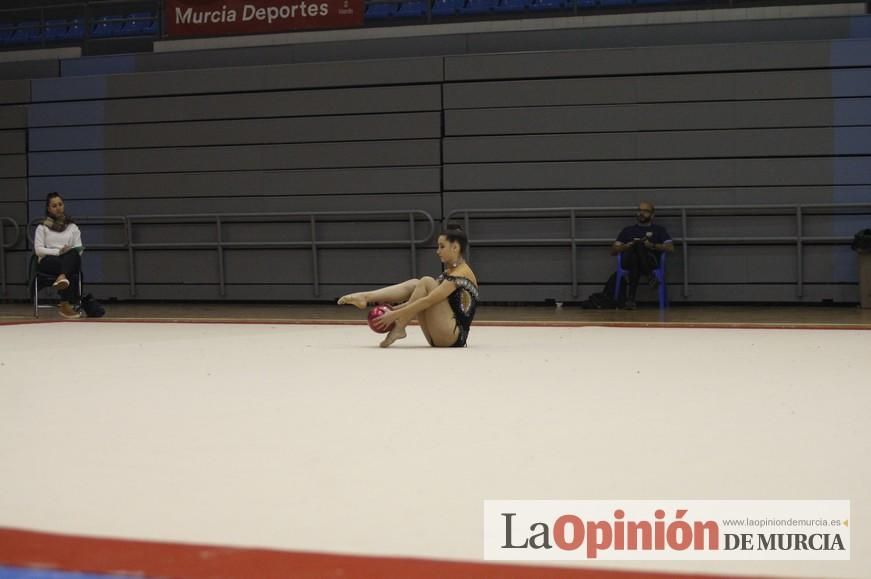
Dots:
(376, 313)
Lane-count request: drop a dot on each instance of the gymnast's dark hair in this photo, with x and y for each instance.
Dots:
(454, 232)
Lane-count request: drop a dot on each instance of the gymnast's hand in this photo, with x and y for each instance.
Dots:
(386, 320)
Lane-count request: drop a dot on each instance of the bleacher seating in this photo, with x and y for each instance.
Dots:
(25, 31)
(543, 5)
(60, 30)
(480, 6)
(511, 6)
(140, 23)
(76, 29)
(107, 26)
(381, 10)
(6, 30)
(447, 7)
(412, 9)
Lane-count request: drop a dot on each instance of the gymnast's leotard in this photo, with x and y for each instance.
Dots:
(463, 302)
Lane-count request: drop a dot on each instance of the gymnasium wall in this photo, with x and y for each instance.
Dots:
(779, 121)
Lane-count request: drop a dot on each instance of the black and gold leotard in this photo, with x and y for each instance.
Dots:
(463, 302)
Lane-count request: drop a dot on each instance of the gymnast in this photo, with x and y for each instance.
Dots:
(444, 307)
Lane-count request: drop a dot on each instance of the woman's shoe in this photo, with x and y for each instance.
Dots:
(61, 283)
(68, 311)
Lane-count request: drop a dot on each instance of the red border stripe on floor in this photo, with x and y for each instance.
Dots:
(32, 549)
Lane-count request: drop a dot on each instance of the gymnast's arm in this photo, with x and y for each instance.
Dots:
(409, 310)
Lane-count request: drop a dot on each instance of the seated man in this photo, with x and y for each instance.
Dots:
(641, 245)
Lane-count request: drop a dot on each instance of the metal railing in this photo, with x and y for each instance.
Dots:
(219, 244)
(4, 245)
(797, 212)
(685, 213)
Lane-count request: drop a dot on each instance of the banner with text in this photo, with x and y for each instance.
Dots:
(713, 530)
(217, 18)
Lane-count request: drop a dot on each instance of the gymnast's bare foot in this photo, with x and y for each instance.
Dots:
(358, 300)
(396, 333)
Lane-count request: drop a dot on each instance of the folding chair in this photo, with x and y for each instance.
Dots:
(40, 281)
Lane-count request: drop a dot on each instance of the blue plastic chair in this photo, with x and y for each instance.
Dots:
(6, 30)
(76, 30)
(381, 11)
(658, 273)
(139, 24)
(447, 7)
(542, 5)
(105, 28)
(511, 6)
(27, 32)
(55, 30)
(412, 9)
(479, 7)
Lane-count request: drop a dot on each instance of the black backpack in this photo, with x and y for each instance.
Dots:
(604, 300)
(862, 241)
(92, 308)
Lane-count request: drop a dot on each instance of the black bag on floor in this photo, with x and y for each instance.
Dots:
(862, 241)
(604, 300)
(92, 308)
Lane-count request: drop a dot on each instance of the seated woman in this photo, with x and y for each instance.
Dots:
(58, 245)
(444, 307)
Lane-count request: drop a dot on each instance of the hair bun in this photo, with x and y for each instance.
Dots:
(453, 227)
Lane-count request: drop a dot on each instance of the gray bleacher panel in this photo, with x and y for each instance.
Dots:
(13, 184)
(704, 56)
(13, 117)
(13, 166)
(394, 180)
(12, 142)
(301, 103)
(637, 61)
(273, 266)
(637, 174)
(13, 190)
(421, 46)
(429, 202)
(239, 132)
(820, 265)
(29, 69)
(274, 230)
(16, 210)
(660, 116)
(14, 92)
(694, 33)
(669, 88)
(242, 79)
(238, 158)
(658, 145)
(604, 197)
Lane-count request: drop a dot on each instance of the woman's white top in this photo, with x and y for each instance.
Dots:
(48, 242)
